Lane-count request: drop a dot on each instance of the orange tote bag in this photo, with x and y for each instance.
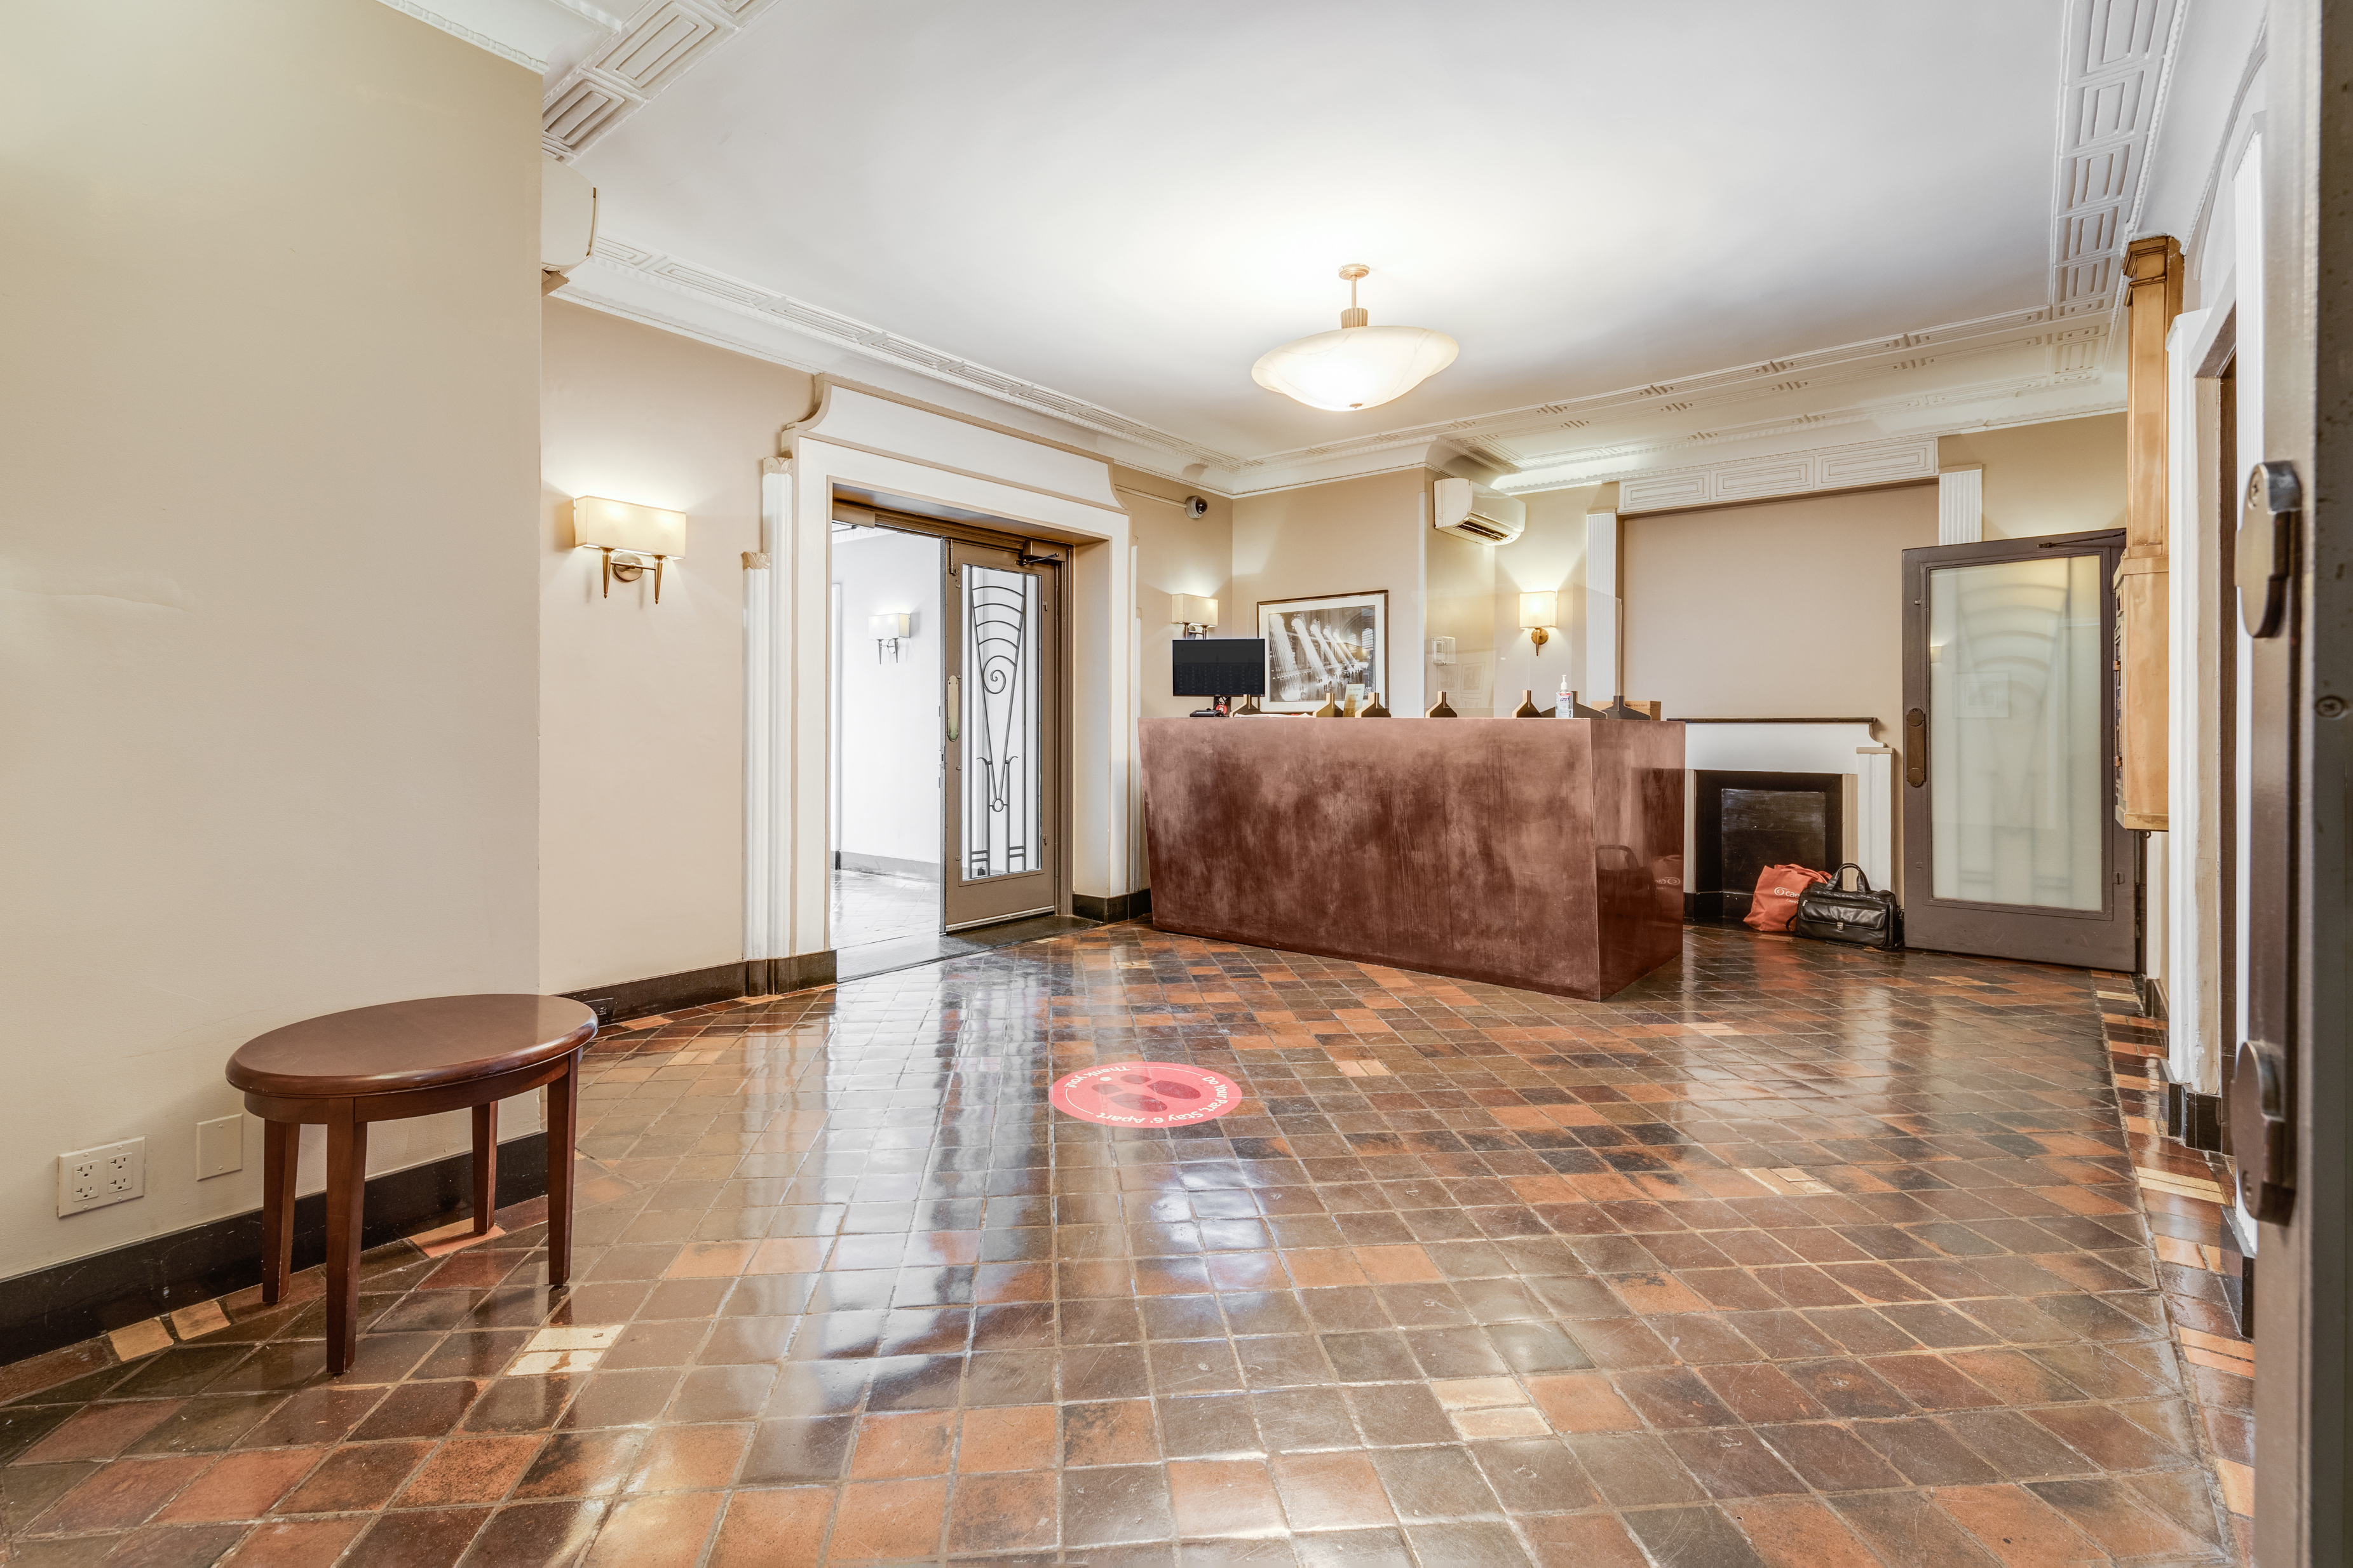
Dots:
(1778, 887)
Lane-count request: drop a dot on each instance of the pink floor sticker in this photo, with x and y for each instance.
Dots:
(1146, 1094)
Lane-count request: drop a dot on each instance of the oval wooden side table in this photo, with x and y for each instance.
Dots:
(402, 1059)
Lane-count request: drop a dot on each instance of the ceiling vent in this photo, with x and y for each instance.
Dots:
(1471, 510)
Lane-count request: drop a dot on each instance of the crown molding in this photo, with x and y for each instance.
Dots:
(631, 66)
(2115, 59)
(882, 346)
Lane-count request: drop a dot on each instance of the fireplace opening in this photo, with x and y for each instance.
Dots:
(1743, 822)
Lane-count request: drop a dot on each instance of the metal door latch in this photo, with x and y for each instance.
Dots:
(1915, 748)
(2265, 556)
(2259, 1140)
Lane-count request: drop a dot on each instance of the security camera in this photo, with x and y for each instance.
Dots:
(1195, 506)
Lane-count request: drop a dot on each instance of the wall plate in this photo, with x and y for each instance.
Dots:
(220, 1146)
(110, 1174)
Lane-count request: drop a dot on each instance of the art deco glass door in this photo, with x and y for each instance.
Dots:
(1002, 718)
(2011, 842)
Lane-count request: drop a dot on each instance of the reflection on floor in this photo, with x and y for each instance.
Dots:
(1790, 1256)
(873, 906)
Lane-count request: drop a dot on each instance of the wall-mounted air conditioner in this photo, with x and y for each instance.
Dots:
(1471, 510)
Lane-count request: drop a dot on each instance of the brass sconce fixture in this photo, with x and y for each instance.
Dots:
(640, 536)
(1539, 613)
(1195, 613)
(890, 628)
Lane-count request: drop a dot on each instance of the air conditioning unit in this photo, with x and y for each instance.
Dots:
(1472, 510)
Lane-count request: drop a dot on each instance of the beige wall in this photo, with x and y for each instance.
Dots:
(1459, 580)
(1781, 609)
(641, 705)
(267, 612)
(1549, 556)
(1339, 538)
(1176, 554)
(2065, 476)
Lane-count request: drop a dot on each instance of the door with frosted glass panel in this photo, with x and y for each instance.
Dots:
(2011, 842)
(1002, 717)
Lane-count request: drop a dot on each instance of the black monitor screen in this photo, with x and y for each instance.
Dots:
(1218, 667)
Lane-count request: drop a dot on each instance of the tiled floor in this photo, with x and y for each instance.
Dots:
(1790, 1256)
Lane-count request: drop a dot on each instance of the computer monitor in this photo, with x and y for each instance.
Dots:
(1218, 666)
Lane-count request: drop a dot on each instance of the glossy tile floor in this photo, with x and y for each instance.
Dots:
(1790, 1256)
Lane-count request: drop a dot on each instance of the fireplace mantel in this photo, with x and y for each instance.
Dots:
(1810, 746)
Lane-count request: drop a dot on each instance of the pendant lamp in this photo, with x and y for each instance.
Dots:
(1359, 366)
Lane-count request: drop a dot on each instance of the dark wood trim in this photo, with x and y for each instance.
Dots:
(663, 993)
(1681, 721)
(1114, 907)
(68, 1302)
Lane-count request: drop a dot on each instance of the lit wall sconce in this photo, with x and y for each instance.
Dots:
(640, 536)
(890, 630)
(1195, 613)
(1539, 613)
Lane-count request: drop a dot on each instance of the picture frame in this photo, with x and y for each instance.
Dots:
(1313, 642)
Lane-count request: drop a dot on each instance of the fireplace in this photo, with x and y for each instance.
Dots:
(1743, 822)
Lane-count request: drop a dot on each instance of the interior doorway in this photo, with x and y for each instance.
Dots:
(888, 686)
(946, 739)
(2011, 842)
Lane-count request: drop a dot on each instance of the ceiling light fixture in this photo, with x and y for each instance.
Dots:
(1359, 366)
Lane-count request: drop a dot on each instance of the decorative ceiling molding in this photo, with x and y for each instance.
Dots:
(646, 54)
(2115, 73)
(2115, 68)
(874, 342)
(1786, 474)
(481, 40)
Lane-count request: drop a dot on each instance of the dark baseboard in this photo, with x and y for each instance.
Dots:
(2238, 1276)
(1716, 908)
(630, 999)
(1116, 907)
(2192, 1120)
(644, 998)
(2151, 992)
(68, 1302)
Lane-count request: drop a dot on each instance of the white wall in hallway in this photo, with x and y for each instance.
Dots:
(887, 770)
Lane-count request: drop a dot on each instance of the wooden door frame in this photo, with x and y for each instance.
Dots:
(2120, 851)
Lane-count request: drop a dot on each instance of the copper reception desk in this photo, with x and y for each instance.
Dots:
(1543, 853)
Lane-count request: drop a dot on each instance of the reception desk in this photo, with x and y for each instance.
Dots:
(1542, 853)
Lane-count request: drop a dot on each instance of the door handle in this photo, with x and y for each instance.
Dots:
(2259, 1130)
(1915, 748)
(955, 703)
(2265, 554)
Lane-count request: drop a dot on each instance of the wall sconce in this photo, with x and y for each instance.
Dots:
(1539, 613)
(639, 535)
(1195, 613)
(888, 629)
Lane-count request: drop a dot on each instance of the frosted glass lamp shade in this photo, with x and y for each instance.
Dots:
(1355, 367)
(900, 623)
(1539, 610)
(601, 524)
(1192, 610)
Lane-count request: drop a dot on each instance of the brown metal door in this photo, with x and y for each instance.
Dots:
(1003, 735)
(2011, 842)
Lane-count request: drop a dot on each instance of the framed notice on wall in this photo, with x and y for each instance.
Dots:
(1316, 647)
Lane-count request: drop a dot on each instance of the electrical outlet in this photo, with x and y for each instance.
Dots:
(603, 1008)
(220, 1146)
(93, 1178)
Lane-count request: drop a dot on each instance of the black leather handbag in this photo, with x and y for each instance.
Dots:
(1830, 911)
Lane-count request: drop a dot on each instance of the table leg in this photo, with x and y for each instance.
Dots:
(563, 1125)
(281, 1142)
(486, 1166)
(346, 1192)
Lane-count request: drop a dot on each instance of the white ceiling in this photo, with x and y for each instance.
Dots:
(1669, 237)
(1130, 202)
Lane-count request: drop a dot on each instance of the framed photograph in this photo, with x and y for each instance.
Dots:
(1315, 645)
